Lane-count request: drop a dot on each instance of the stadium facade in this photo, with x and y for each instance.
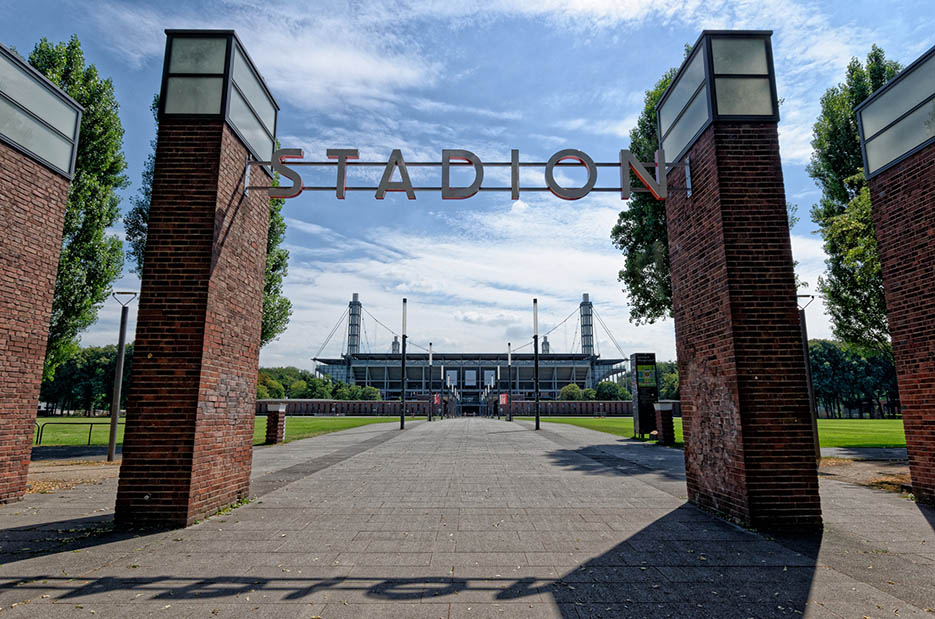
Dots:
(472, 374)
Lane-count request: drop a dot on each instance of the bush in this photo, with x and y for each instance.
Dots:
(588, 394)
(607, 390)
(570, 392)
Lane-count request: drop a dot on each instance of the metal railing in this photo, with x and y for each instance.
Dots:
(40, 427)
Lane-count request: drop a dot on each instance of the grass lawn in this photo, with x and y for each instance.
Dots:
(831, 432)
(305, 427)
(74, 430)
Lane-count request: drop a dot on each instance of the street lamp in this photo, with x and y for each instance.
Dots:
(431, 397)
(118, 371)
(402, 408)
(509, 380)
(535, 349)
(499, 389)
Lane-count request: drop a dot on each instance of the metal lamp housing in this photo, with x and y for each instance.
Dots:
(36, 117)
(728, 76)
(898, 120)
(208, 74)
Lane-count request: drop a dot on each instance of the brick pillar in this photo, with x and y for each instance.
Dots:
(191, 406)
(275, 423)
(32, 213)
(748, 434)
(665, 428)
(903, 199)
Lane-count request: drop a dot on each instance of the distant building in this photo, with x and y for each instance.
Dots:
(472, 373)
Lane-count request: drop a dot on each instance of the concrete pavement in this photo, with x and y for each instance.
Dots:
(466, 518)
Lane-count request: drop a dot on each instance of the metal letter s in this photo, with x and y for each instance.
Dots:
(278, 164)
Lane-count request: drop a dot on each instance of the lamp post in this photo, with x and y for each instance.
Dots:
(118, 372)
(499, 389)
(431, 397)
(402, 408)
(808, 373)
(535, 349)
(509, 380)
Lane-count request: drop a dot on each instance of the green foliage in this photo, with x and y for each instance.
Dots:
(136, 221)
(847, 378)
(570, 392)
(668, 373)
(607, 390)
(90, 259)
(277, 309)
(588, 394)
(640, 232)
(852, 284)
(370, 393)
(298, 390)
(273, 388)
(85, 381)
(341, 392)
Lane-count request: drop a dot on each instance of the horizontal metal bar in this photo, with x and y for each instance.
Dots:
(436, 164)
(438, 189)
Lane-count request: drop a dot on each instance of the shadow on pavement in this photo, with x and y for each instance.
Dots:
(46, 538)
(597, 461)
(70, 452)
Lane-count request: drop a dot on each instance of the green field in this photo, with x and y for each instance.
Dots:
(831, 432)
(305, 427)
(74, 430)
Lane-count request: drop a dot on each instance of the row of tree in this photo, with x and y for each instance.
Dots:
(294, 383)
(92, 257)
(850, 381)
(85, 381)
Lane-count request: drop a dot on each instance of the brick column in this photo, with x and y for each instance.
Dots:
(191, 406)
(748, 434)
(665, 428)
(32, 213)
(903, 199)
(275, 423)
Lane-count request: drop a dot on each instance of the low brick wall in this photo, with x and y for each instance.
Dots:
(298, 408)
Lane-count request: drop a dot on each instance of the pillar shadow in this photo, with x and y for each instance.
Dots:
(47, 538)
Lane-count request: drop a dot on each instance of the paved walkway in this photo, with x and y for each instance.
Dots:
(466, 518)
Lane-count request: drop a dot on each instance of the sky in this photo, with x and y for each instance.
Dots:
(423, 75)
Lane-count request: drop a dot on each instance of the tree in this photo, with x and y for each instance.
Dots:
(607, 390)
(849, 378)
(85, 381)
(852, 285)
(588, 394)
(272, 387)
(298, 389)
(136, 221)
(640, 232)
(370, 393)
(668, 373)
(570, 392)
(277, 308)
(90, 259)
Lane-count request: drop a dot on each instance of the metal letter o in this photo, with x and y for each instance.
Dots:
(573, 193)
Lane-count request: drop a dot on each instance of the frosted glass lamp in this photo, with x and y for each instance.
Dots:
(36, 117)
(728, 76)
(898, 119)
(208, 74)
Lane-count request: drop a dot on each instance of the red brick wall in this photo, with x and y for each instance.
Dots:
(749, 453)
(903, 200)
(32, 213)
(190, 409)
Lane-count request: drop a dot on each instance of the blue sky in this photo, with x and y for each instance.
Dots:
(422, 75)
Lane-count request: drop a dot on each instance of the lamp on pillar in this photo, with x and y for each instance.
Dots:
(749, 451)
(39, 127)
(188, 445)
(897, 131)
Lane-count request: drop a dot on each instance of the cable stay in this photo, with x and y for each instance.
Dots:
(609, 334)
(330, 335)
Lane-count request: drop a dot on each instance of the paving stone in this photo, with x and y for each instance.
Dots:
(460, 518)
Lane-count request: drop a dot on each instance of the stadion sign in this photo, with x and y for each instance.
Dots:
(286, 161)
